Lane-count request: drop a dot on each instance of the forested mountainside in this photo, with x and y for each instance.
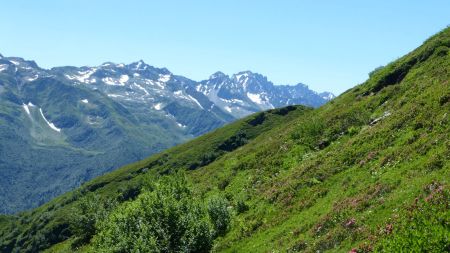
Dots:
(61, 127)
(366, 172)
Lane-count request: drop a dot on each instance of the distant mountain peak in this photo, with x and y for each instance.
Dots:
(245, 72)
(327, 95)
(139, 65)
(109, 64)
(21, 63)
(241, 74)
(218, 74)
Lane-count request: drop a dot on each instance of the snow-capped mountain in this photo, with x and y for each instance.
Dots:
(246, 92)
(69, 118)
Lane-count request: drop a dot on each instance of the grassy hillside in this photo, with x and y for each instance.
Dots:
(366, 172)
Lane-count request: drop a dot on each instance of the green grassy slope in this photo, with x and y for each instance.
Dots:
(359, 173)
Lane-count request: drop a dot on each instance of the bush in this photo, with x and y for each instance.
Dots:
(241, 206)
(234, 142)
(219, 215)
(165, 219)
(87, 215)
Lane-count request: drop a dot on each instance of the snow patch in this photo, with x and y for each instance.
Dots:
(227, 108)
(30, 79)
(151, 82)
(141, 88)
(15, 62)
(114, 95)
(3, 67)
(120, 82)
(244, 80)
(234, 100)
(123, 79)
(27, 110)
(108, 80)
(181, 125)
(139, 64)
(196, 101)
(85, 101)
(164, 78)
(158, 106)
(329, 96)
(203, 89)
(256, 98)
(83, 76)
(51, 125)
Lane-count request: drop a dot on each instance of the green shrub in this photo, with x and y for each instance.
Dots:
(87, 214)
(241, 206)
(219, 214)
(166, 219)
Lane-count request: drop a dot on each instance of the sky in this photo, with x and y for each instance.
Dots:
(328, 45)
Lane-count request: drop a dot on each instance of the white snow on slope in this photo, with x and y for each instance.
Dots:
(238, 76)
(164, 78)
(120, 82)
(244, 81)
(30, 79)
(108, 80)
(27, 110)
(328, 97)
(85, 101)
(158, 106)
(123, 79)
(234, 100)
(3, 67)
(256, 98)
(51, 125)
(114, 95)
(196, 101)
(83, 76)
(141, 88)
(26, 107)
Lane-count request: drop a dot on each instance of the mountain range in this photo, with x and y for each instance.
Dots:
(63, 126)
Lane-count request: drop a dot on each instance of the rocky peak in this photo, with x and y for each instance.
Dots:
(218, 75)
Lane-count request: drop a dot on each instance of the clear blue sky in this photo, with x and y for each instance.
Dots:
(328, 45)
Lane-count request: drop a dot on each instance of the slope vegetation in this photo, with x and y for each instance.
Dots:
(366, 172)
